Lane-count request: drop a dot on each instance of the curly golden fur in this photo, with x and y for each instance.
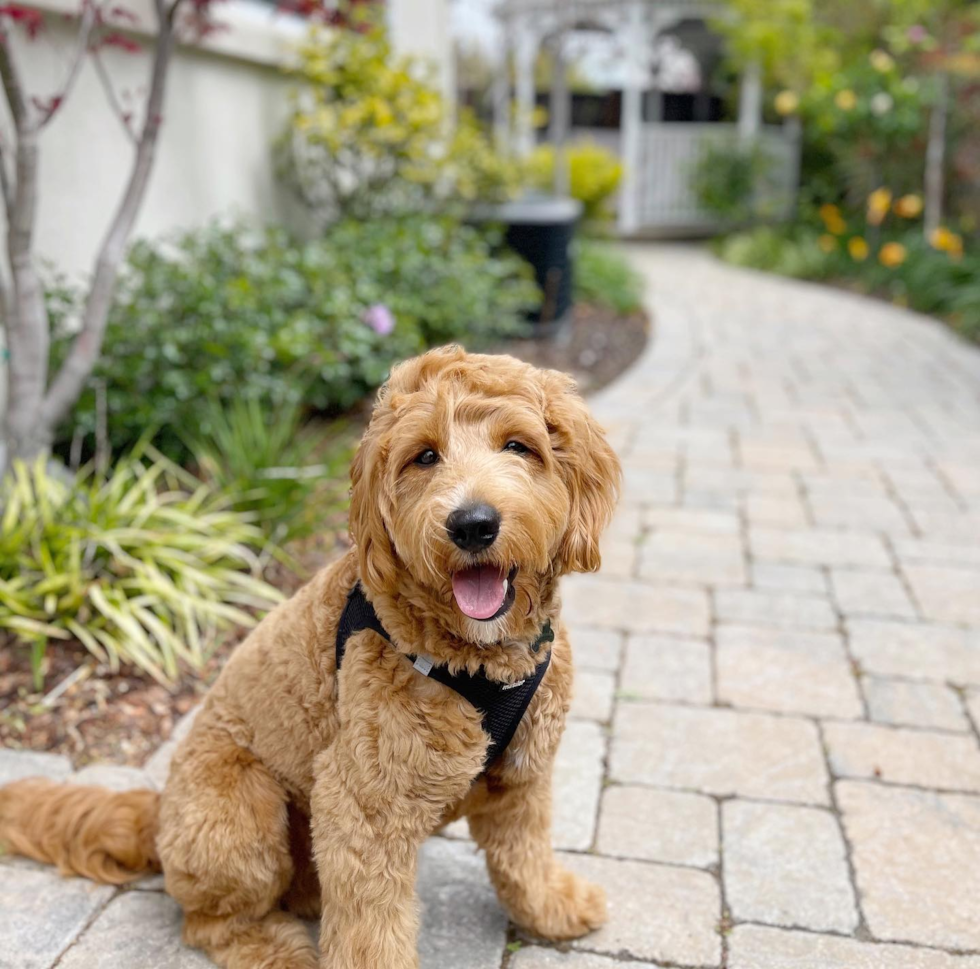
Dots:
(306, 791)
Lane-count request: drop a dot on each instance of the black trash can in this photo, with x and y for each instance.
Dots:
(541, 229)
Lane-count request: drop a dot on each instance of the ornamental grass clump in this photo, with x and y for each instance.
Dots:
(142, 564)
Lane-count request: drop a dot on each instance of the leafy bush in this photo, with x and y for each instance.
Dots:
(231, 313)
(594, 175)
(370, 135)
(730, 181)
(268, 465)
(901, 265)
(604, 277)
(143, 565)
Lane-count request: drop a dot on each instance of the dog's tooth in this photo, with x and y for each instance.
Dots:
(506, 585)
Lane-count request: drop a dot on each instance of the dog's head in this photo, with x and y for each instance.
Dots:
(479, 481)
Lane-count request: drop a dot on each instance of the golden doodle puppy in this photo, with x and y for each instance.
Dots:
(423, 677)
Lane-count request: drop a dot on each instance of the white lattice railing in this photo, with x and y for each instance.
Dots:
(664, 197)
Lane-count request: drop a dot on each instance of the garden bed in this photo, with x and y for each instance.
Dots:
(91, 715)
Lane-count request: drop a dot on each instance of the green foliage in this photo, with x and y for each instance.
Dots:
(370, 135)
(143, 565)
(731, 181)
(917, 275)
(231, 313)
(269, 464)
(605, 278)
(594, 175)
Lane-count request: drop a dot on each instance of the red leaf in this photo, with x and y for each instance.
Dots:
(121, 41)
(121, 13)
(31, 20)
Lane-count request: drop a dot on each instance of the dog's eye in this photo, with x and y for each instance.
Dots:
(427, 458)
(517, 447)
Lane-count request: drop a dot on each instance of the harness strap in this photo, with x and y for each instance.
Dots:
(502, 705)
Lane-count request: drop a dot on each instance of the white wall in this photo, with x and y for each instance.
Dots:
(226, 102)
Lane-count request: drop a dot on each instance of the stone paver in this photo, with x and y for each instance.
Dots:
(782, 609)
(773, 856)
(778, 668)
(860, 593)
(463, 925)
(42, 914)
(112, 943)
(665, 826)
(578, 785)
(917, 858)
(642, 607)
(17, 764)
(757, 947)
(655, 912)
(913, 704)
(665, 668)
(718, 752)
(785, 671)
(902, 756)
(917, 651)
(593, 697)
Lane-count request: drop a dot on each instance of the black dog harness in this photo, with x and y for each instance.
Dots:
(502, 705)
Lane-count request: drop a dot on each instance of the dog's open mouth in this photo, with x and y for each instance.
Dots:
(484, 592)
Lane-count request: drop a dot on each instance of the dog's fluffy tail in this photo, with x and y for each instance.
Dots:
(107, 836)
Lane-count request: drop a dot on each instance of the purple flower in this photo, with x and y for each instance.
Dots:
(917, 34)
(379, 318)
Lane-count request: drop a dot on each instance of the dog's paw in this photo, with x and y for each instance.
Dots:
(571, 907)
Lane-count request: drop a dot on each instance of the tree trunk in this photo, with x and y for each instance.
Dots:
(935, 188)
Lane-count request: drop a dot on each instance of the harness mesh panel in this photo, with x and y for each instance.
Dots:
(501, 708)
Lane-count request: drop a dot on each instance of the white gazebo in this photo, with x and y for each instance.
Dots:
(659, 155)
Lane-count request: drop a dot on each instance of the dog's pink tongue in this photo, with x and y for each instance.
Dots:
(480, 591)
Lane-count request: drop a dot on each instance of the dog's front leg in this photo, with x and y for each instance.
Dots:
(366, 853)
(513, 826)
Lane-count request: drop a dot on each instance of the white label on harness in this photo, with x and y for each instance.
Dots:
(424, 664)
(514, 686)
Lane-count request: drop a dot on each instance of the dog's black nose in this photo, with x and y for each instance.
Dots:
(474, 527)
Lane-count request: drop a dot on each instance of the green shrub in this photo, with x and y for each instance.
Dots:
(594, 174)
(371, 135)
(787, 250)
(605, 278)
(734, 182)
(269, 465)
(142, 565)
(230, 313)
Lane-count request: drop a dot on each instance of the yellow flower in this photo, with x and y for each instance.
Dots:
(827, 243)
(945, 240)
(786, 103)
(879, 202)
(881, 61)
(858, 249)
(832, 219)
(892, 254)
(909, 206)
(846, 100)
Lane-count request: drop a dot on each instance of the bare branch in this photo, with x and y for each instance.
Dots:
(112, 97)
(85, 25)
(6, 186)
(12, 86)
(84, 352)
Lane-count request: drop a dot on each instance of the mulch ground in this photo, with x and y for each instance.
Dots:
(91, 714)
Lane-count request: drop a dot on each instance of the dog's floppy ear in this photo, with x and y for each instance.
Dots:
(367, 526)
(589, 467)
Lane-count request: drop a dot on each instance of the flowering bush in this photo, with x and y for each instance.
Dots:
(369, 134)
(594, 175)
(233, 313)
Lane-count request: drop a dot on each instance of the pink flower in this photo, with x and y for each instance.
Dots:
(917, 34)
(379, 318)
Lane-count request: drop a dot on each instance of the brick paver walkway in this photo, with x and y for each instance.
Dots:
(774, 759)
